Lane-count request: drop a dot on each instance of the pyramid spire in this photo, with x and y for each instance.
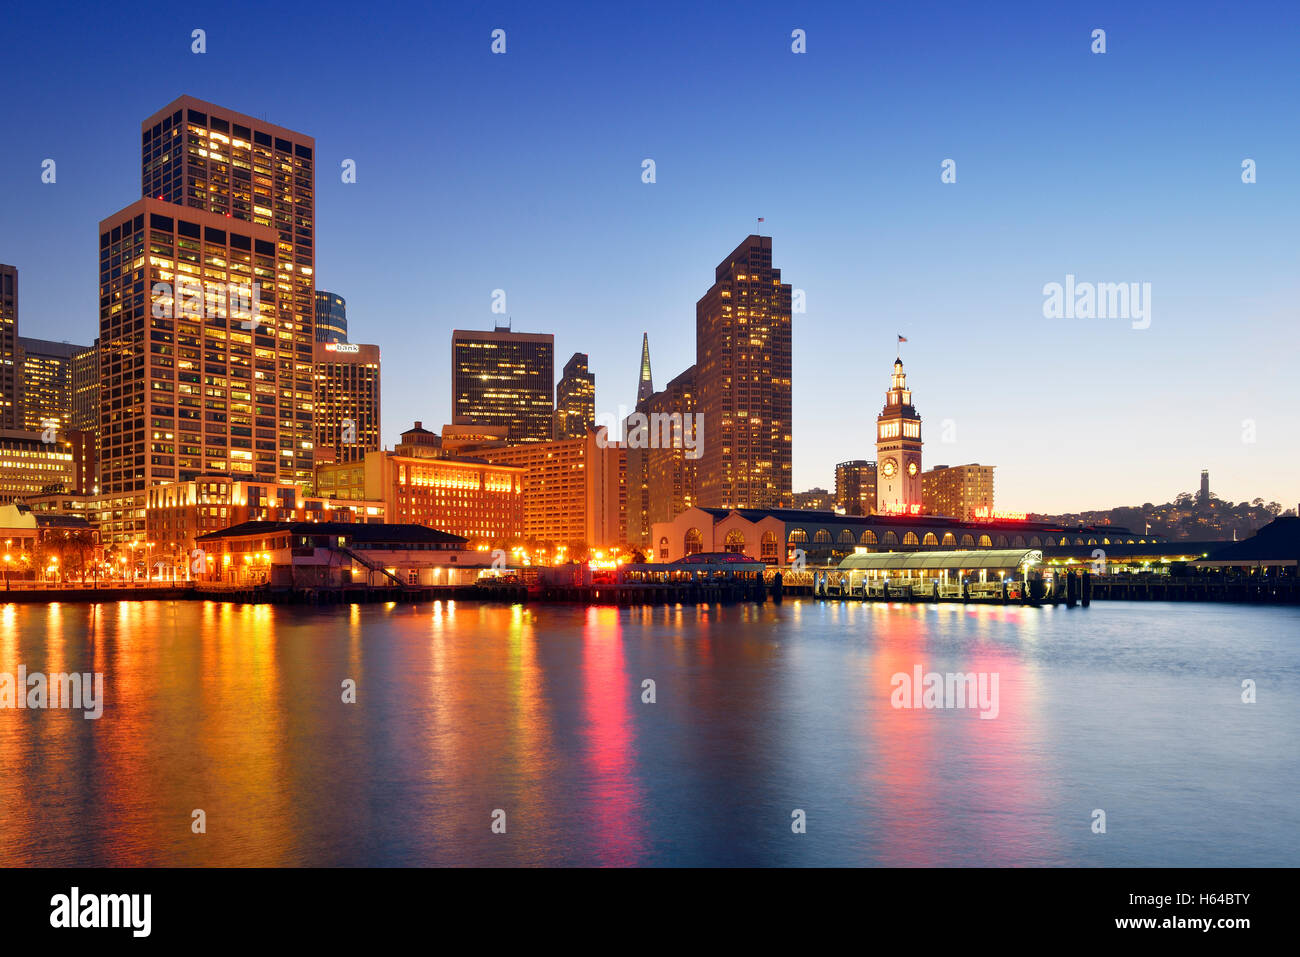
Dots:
(645, 387)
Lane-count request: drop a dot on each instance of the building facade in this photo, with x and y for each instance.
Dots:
(85, 390)
(505, 378)
(743, 363)
(176, 515)
(575, 400)
(241, 170)
(898, 450)
(784, 537)
(855, 487)
(30, 466)
(9, 411)
(346, 400)
(573, 494)
(192, 360)
(959, 491)
(818, 499)
(672, 451)
(45, 391)
(331, 317)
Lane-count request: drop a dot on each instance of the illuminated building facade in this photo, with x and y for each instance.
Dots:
(191, 385)
(9, 415)
(331, 317)
(898, 450)
(816, 499)
(418, 483)
(672, 475)
(855, 487)
(575, 399)
(346, 400)
(238, 168)
(504, 378)
(572, 490)
(962, 491)
(636, 516)
(742, 357)
(85, 390)
(45, 383)
(30, 466)
(175, 515)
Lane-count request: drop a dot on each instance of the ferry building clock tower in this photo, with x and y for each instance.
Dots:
(898, 450)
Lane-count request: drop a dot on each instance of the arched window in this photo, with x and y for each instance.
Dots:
(694, 542)
(891, 538)
(986, 542)
(967, 541)
(822, 537)
(797, 537)
(949, 539)
(1001, 541)
(911, 539)
(930, 539)
(767, 547)
(1063, 541)
(845, 537)
(1105, 541)
(663, 550)
(868, 538)
(735, 542)
(1035, 542)
(1092, 541)
(1078, 541)
(1019, 542)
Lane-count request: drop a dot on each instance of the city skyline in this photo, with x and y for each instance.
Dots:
(879, 245)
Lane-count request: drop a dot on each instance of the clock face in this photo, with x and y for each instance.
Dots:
(889, 468)
(911, 468)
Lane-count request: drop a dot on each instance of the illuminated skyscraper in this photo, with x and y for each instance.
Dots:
(645, 383)
(347, 400)
(238, 167)
(9, 412)
(331, 317)
(189, 383)
(45, 383)
(504, 378)
(575, 400)
(855, 487)
(742, 357)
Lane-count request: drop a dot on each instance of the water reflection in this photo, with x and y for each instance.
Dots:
(462, 710)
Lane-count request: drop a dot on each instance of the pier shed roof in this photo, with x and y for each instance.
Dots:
(913, 561)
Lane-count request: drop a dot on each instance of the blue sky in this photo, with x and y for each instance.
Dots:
(523, 172)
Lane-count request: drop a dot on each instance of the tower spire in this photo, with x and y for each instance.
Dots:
(645, 386)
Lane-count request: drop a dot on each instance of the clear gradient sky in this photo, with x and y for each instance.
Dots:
(523, 172)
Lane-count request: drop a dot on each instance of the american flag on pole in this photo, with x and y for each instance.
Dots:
(761, 220)
(902, 338)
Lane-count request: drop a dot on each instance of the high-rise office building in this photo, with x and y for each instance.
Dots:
(855, 487)
(742, 358)
(346, 400)
(9, 412)
(963, 492)
(898, 450)
(637, 516)
(241, 168)
(645, 381)
(190, 376)
(85, 389)
(575, 400)
(505, 378)
(45, 383)
(571, 490)
(331, 317)
(670, 449)
(31, 466)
